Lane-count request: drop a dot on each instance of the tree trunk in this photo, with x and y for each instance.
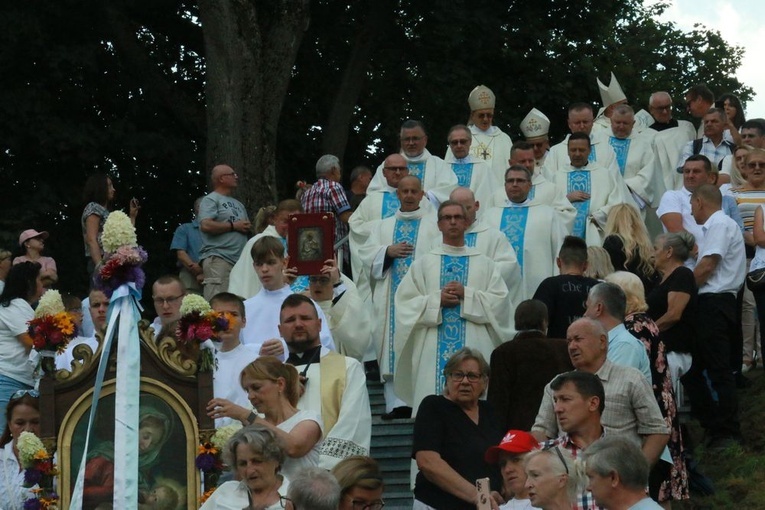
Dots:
(250, 49)
(335, 135)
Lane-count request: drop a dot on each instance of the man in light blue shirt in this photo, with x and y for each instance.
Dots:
(606, 303)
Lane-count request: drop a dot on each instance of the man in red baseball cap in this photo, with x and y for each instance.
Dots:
(509, 454)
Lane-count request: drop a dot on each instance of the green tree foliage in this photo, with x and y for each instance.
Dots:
(120, 87)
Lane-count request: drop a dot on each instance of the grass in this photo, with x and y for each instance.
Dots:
(738, 473)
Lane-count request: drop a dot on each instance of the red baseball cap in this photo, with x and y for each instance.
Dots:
(515, 441)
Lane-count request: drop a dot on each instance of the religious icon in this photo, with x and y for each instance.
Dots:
(309, 244)
(310, 241)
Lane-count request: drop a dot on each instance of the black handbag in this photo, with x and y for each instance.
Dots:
(755, 280)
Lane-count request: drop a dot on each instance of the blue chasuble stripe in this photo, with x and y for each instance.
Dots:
(390, 204)
(621, 148)
(464, 173)
(403, 231)
(471, 238)
(451, 331)
(513, 225)
(579, 180)
(418, 170)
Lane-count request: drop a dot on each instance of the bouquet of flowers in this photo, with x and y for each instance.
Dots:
(39, 471)
(209, 460)
(123, 257)
(199, 323)
(52, 328)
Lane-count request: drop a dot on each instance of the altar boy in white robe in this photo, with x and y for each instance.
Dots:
(334, 385)
(591, 189)
(452, 297)
(535, 230)
(392, 247)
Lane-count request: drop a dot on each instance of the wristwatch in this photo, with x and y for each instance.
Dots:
(251, 418)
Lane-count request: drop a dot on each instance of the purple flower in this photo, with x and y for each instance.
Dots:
(32, 476)
(205, 462)
(32, 504)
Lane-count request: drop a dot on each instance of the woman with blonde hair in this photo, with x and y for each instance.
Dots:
(361, 483)
(553, 478)
(628, 244)
(273, 389)
(598, 263)
(667, 481)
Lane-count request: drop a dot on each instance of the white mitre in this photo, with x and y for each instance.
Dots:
(481, 98)
(611, 94)
(535, 125)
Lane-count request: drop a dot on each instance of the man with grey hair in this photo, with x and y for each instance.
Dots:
(714, 145)
(617, 475)
(670, 137)
(328, 195)
(313, 488)
(606, 303)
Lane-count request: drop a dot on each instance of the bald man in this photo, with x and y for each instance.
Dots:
(224, 227)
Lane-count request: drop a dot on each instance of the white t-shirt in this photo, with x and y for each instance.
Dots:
(64, 359)
(226, 381)
(14, 358)
(518, 504)
(292, 464)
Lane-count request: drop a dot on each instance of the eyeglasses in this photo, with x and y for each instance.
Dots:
(755, 164)
(283, 502)
(363, 505)
(471, 376)
(158, 301)
(21, 393)
(396, 168)
(455, 217)
(458, 142)
(516, 181)
(553, 446)
(318, 279)
(662, 108)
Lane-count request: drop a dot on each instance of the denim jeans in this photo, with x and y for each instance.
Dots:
(8, 387)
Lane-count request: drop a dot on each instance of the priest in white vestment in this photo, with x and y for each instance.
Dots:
(243, 280)
(490, 144)
(334, 385)
(393, 246)
(580, 120)
(488, 240)
(452, 297)
(434, 173)
(535, 126)
(669, 139)
(535, 230)
(543, 191)
(613, 96)
(471, 172)
(634, 157)
(592, 189)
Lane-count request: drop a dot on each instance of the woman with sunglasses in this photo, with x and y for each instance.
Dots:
(22, 288)
(22, 415)
(451, 434)
(552, 479)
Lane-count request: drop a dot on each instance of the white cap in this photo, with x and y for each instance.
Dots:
(611, 94)
(481, 98)
(535, 124)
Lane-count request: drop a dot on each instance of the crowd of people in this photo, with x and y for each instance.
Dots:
(538, 309)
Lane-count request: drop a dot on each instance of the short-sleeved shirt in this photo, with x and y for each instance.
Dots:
(679, 201)
(327, 196)
(222, 208)
(188, 238)
(46, 263)
(14, 359)
(723, 237)
(90, 210)
(678, 338)
(564, 296)
(443, 427)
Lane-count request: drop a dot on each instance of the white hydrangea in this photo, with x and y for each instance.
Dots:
(118, 231)
(50, 304)
(223, 434)
(194, 303)
(29, 446)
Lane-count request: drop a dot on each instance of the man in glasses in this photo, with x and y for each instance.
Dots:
(670, 136)
(167, 294)
(452, 297)
(393, 246)
(534, 230)
(471, 172)
(436, 176)
(489, 143)
(224, 225)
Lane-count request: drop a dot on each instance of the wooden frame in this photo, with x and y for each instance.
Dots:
(310, 241)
